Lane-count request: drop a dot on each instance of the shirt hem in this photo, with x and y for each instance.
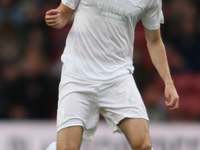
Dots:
(94, 80)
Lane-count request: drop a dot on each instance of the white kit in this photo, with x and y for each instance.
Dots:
(99, 45)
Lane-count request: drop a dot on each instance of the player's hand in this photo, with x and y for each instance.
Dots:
(172, 97)
(53, 17)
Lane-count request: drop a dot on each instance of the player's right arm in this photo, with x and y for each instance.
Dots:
(58, 18)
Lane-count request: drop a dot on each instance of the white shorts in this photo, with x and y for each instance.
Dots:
(81, 102)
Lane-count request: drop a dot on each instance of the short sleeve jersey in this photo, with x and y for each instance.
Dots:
(99, 45)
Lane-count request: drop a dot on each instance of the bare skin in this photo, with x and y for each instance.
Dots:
(158, 56)
(69, 138)
(137, 133)
(136, 130)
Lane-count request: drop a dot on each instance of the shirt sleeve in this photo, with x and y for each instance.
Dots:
(153, 16)
(71, 3)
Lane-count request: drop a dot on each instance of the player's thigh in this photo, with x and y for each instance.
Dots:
(136, 131)
(69, 138)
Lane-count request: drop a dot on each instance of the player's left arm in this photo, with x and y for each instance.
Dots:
(158, 56)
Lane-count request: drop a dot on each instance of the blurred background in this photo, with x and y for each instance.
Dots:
(30, 62)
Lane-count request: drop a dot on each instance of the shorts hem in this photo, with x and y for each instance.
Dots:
(66, 126)
(85, 137)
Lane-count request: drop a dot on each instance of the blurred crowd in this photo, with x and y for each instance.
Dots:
(30, 61)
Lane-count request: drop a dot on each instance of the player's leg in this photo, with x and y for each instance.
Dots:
(123, 100)
(77, 114)
(69, 138)
(137, 133)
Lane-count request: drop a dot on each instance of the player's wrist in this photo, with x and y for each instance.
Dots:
(59, 25)
(169, 82)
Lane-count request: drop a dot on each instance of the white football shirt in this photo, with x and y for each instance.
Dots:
(99, 45)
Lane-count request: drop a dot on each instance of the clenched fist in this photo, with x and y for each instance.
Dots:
(53, 18)
(172, 97)
(58, 18)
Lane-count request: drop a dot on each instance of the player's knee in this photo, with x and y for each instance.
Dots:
(143, 146)
(67, 148)
(63, 148)
(146, 146)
